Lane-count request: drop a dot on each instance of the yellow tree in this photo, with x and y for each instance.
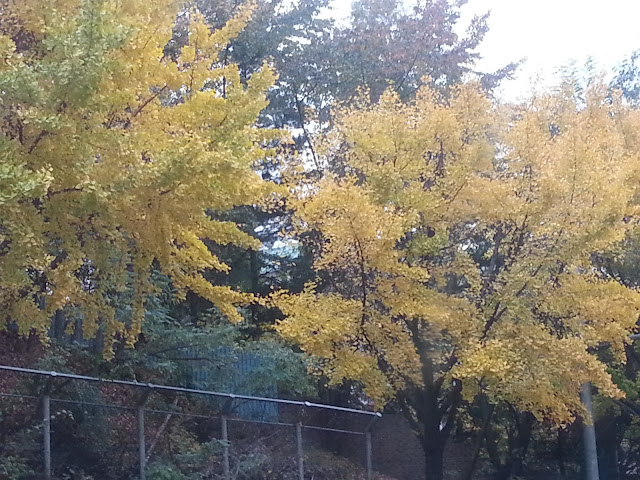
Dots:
(453, 253)
(111, 153)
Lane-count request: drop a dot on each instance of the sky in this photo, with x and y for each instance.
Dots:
(549, 33)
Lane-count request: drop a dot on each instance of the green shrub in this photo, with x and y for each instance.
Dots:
(14, 468)
(164, 472)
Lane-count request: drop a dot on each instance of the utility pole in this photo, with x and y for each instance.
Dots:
(589, 435)
(589, 431)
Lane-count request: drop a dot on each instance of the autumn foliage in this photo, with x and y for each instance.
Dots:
(455, 240)
(111, 153)
(454, 244)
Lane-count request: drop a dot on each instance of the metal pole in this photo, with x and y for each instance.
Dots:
(589, 435)
(369, 456)
(300, 452)
(169, 388)
(225, 450)
(46, 417)
(141, 442)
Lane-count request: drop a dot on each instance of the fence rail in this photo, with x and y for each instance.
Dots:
(225, 415)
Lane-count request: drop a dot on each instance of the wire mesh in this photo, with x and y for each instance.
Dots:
(136, 423)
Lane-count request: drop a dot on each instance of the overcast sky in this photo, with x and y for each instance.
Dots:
(549, 33)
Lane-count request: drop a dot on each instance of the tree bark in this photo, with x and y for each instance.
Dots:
(478, 444)
(560, 452)
(525, 422)
(434, 461)
(434, 435)
(434, 406)
(518, 440)
(608, 443)
(254, 272)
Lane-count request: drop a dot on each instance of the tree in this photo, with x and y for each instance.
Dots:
(110, 155)
(389, 42)
(319, 64)
(454, 253)
(627, 79)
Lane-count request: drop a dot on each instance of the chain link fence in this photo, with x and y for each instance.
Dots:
(236, 430)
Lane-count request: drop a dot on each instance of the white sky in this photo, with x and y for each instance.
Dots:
(549, 33)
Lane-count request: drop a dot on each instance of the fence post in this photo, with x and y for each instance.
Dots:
(150, 388)
(300, 451)
(369, 446)
(225, 449)
(141, 442)
(142, 449)
(46, 417)
(369, 456)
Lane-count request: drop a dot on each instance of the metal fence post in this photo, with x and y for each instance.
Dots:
(300, 451)
(142, 449)
(141, 442)
(46, 417)
(225, 450)
(367, 437)
(149, 388)
(369, 446)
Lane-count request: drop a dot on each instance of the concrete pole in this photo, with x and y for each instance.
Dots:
(589, 436)
(46, 418)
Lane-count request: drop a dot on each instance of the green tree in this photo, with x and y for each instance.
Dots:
(390, 42)
(627, 78)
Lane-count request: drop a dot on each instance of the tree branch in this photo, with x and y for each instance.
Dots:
(160, 431)
(40, 136)
(306, 133)
(141, 107)
(64, 190)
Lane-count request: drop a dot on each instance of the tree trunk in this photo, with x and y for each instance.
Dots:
(431, 408)
(434, 461)
(560, 452)
(478, 444)
(434, 437)
(608, 442)
(518, 453)
(254, 272)
(518, 440)
(59, 325)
